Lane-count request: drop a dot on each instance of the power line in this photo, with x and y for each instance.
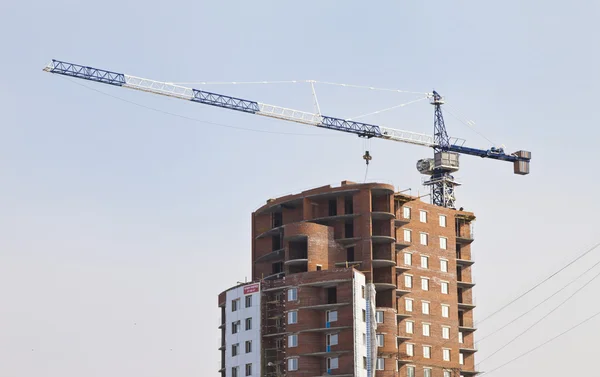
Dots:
(455, 337)
(539, 284)
(543, 344)
(541, 319)
(540, 303)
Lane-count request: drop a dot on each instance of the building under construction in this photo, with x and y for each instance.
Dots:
(356, 280)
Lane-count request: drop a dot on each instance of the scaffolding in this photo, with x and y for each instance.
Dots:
(273, 327)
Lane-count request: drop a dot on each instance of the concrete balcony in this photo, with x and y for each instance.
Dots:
(326, 329)
(348, 263)
(270, 232)
(333, 218)
(402, 268)
(465, 284)
(401, 292)
(381, 215)
(382, 239)
(467, 350)
(401, 316)
(465, 262)
(296, 262)
(347, 241)
(465, 307)
(467, 329)
(470, 373)
(377, 263)
(464, 239)
(272, 256)
(325, 306)
(401, 245)
(403, 338)
(325, 353)
(380, 287)
(401, 222)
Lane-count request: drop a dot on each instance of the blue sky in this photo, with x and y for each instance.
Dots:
(113, 215)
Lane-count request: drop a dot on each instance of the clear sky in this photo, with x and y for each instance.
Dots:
(119, 225)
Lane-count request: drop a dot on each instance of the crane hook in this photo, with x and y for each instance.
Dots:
(367, 157)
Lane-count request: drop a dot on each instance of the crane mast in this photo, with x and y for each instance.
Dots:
(439, 168)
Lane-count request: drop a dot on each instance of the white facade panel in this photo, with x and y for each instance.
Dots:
(360, 327)
(254, 334)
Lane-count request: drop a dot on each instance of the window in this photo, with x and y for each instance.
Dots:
(380, 364)
(379, 316)
(319, 267)
(248, 346)
(444, 286)
(443, 221)
(444, 265)
(292, 294)
(364, 315)
(292, 317)
(461, 358)
(249, 369)
(425, 284)
(408, 304)
(447, 373)
(410, 327)
(362, 291)
(234, 372)
(379, 340)
(446, 332)
(235, 304)
(406, 212)
(425, 307)
(407, 235)
(426, 329)
(408, 281)
(408, 259)
(293, 340)
(332, 339)
(460, 337)
(446, 354)
(248, 301)
(426, 372)
(410, 349)
(424, 261)
(364, 362)
(423, 238)
(364, 338)
(332, 362)
(332, 316)
(235, 349)
(248, 323)
(410, 371)
(292, 364)
(235, 327)
(445, 311)
(423, 216)
(427, 352)
(443, 243)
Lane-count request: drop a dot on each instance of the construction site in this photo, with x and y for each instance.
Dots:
(356, 280)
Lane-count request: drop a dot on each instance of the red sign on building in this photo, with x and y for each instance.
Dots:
(251, 289)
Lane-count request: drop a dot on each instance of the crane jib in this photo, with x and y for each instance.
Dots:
(361, 129)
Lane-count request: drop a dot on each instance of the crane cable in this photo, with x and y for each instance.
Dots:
(296, 82)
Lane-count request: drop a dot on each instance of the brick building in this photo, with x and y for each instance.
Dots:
(356, 280)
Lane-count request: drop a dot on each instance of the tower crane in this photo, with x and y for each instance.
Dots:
(439, 168)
